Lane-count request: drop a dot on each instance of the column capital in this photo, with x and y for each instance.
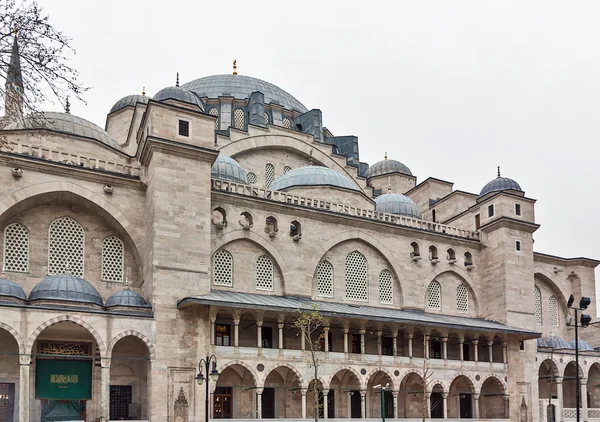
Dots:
(236, 321)
(363, 393)
(346, 330)
(476, 396)
(303, 391)
(490, 343)
(395, 333)
(326, 328)
(475, 342)
(395, 394)
(105, 362)
(445, 395)
(444, 339)
(362, 332)
(410, 336)
(259, 390)
(325, 391)
(24, 360)
(280, 325)
(504, 344)
(505, 397)
(427, 337)
(379, 333)
(558, 380)
(259, 323)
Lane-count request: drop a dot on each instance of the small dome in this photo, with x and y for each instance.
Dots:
(583, 345)
(397, 204)
(11, 289)
(226, 168)
(500, 184)
(66, 287)
(65, 123)
(311, 176)
(385, 167)
(553, 342)
(129, 100)
(180, 94)
(128, 298)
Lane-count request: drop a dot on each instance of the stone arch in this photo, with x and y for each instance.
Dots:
(132, 333)
(567, 362)
(368, 240)
(359, 377)
(268, 372)
(260, 241)
(458, 272)
(320, 380)
(553, 283)
(16, 336)
(373, 371)
(80, 192)
(469, 380)
(70, 318)
(436, 382)
(245, 366)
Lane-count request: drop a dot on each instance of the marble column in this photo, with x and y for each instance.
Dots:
(445, 396)
(445, 348)
(362, 342)
(303, 391)
(213, 322)
(363, 404)
(105, 390)
(325, 407)
(302, 335)
(395, 396)
(475, 350)
(395, 342)
(476, 406)
(346, 329)
(559, 399)
(461, 351)
(236, 330)
(259, 325)
(490, 347)
(504, 353)
(428, 403)
(506, 398)
(280, 328)
(584, 402)
(326, 338)
(410, 348)
(426, 352)
(259, 392)
(24, 394)
(379, 346)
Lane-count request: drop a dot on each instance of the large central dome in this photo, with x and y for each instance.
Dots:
(240, 87)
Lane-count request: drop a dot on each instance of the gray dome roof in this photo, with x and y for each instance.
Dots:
(398, 204)
(311, 176)
(129, 100)
(127, 297)
(226, 168)
(180, 94)
(387, 166)
(66, 287)
(65, 123)
(500, 184)
(553, 342)
(11, 289)
(583, 345)
(240, 87)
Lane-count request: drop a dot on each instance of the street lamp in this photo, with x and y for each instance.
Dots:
(382, 389)
(584, 321)
(213, 375)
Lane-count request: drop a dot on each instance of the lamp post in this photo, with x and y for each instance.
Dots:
(213, 375)
(584, 321)
(382, 389)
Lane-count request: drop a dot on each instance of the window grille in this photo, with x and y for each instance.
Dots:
(286, 169)
(386, 294)
(112, 259)
(462, 299)
(434, 296)
(251, 178)
(553, 311)
(538, 305)
(264, 273)
(356, 277)
(65, 247)
(325, 279)
(222, 268)
(269, 174)
(238, 118)
(287, 123)
(184, 128)
(16, 248)
(266, 118)
(215, 112)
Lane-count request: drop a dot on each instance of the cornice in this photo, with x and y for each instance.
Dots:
(511, 223)
(153, 143)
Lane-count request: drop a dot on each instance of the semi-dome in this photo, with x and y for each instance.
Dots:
(385, 167)
(226, 168)
(11, 289)
(240, 87)
(65, 123)
(311, 176)
(397, 204)
(499, 184)
(66, 287)
(179, 94)
(129, 100)
(128, 298)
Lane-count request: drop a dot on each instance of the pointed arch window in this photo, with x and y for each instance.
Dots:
(553, 311)
(386, 292)
(66, 247)
(269, 174)
(434, 296)
(238, 118)
(264, 273)
(462, 299)
(112, 259)
(325, 279)
(223, 268)
(16, 248)
(215, 112)
(356, 277)
(538, 305)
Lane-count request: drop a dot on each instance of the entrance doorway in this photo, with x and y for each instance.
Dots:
(7, 402)
(120, 399)
(466, 406)
(222, 403)
(268, 403)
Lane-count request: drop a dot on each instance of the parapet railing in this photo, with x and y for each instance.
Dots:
(69, 158)
(277, 196)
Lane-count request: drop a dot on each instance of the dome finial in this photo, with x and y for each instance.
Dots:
(310, 162)
(67, 269)
(67, 106)
(144, 91)
(127, 282)
(498, 171)
(177, 81)
(2, 275)
(234, 66)
(385, 156)
(389, 184)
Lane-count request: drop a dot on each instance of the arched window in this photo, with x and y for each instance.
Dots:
(223, 268)
(264, 273)
(356, 277)
(415, 250)
(215, 112)
(238, 118)
(451, 255)
(287, 123)
(269, 174)
(433, 253)
(462, 299)
(286, 169)
(386, 292)
(468, 259)
(434, 296)
(553, 311)
(252, 178)
(325, 279)
(16, 248)
(538, 305)
(112, 259)
(266, 118)
(65, 247)
(271, 226)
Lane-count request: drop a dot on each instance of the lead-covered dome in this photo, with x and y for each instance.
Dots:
(65, 123)
(553, 342)
(583, 345)
(385, 167)
(311, 176)
(500, 184)
(129, 100)
(11, 289)
(240, 87)
(127, 298)
(397, 204)
(67, 288)
(226, 168)
(179, 94)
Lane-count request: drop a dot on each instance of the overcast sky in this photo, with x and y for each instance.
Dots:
(450, 88)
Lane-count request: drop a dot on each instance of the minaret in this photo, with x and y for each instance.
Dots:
(13, 101)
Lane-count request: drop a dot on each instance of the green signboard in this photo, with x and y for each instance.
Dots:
(63, 379)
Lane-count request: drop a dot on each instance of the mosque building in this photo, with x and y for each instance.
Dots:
(198, 223)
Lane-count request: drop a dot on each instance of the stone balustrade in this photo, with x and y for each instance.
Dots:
(257, 192)
(47, 154)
